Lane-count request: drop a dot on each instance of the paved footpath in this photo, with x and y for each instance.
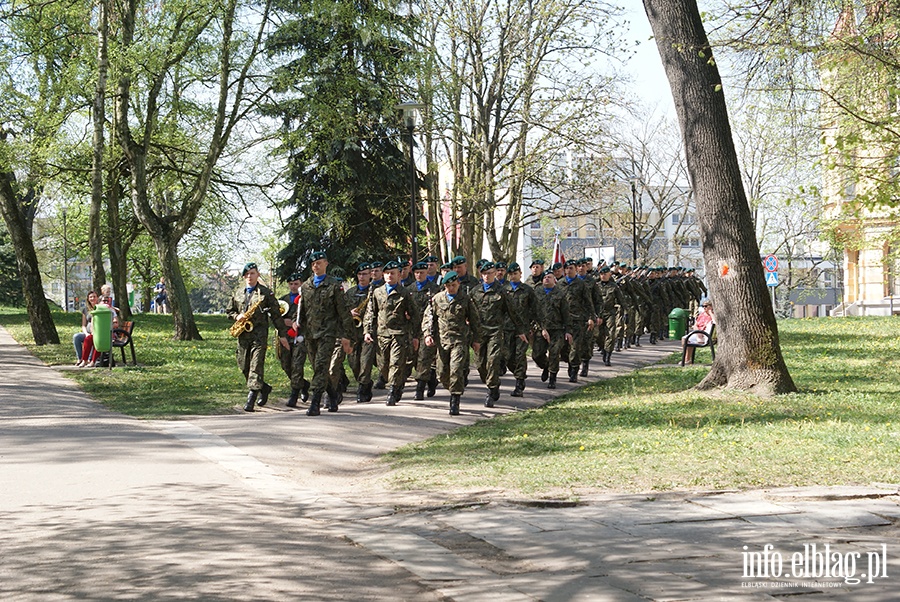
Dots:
(277, 506)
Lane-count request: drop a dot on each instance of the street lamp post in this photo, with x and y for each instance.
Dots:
(409, 117)
(633, 222)
(65, 264)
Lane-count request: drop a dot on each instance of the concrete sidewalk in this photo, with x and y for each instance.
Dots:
(276, 505)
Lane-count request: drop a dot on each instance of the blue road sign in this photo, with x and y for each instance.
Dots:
(772, 279)
(771, 264)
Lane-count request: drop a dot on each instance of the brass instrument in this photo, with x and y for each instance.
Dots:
(283, 306)
(245, 323)
(361, 311)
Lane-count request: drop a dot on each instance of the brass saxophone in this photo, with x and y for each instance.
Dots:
(361, 311)
(245, 324)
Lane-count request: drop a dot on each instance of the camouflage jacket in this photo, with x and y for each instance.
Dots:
(393, 313)
(353, 297)
(451, 320)
(324, 310)
(422, 298)
(552, 310)
(495, 306)
(610, 296)
(524, 301)
(581, 300)
(268, 310)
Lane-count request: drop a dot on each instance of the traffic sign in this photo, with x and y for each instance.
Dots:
(771, 264)
(772, 279)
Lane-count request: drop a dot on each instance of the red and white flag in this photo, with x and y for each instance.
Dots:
(558, 256)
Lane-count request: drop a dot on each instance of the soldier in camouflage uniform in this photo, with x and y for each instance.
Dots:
(422, 291)
(292, 361)
(394, 311)
(450, 320)
(517, 349)
(466, 281)
(494, 306)
(252, 344)
(327, 318)
(553, 328)
(581, 314)
(537, 273)
(587, 341)
(610, 296)
(363, 357)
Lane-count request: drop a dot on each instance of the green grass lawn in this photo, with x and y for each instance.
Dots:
(173, 378)
(649, 431)
(645, 431)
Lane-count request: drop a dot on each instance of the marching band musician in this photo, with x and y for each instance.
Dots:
(292, 362)
(252, 342)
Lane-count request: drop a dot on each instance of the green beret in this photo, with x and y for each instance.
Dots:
(318, 255)
(604, 270)
(375, 264)
(248, 267)
(422, 265)
(450, 276)
(570, 262)
(480, 263)
(514, 267)
(500, 265)
(459, 260)
(431, 259)
(447, 266)
(487, 265)
(294, 276)
(392, 265)
(536, 262)
(363, 267)
(556, 266)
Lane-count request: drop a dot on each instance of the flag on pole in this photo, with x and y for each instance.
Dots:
(558, 256)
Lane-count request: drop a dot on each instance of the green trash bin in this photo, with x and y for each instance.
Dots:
(102, 328)
(677, 323)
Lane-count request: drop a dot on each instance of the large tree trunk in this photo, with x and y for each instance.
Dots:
(179, 302)
(749, 352)
(118, 260)
(18, 223)
(98, 115)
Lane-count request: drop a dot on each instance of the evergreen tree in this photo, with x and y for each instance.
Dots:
(345, 64)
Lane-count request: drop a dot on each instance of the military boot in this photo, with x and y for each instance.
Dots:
(331, 399)
(520, 387)
(379, 384)
(552, 383)
(584, 368)
(292, 400)
(432, 384)
(637, 340)
(420, 390)
(607, 355)
(264, 395)
(653, 338)
(618, 344)
(361, 394)
(454, 405)
(545, 375)
(489, 399)
(314, 404)
(573, 374)
(304, 391)
(392, 399)
(251, 401)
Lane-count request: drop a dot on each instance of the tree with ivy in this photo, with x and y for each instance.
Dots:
(342, 72)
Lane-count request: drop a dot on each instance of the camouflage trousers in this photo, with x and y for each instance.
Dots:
(546, 354)
(392, 350)
(516, 355)
(292, 363)
(423, 361)
(361, 361)
(451, 361)
(322, 355)
(251, 358)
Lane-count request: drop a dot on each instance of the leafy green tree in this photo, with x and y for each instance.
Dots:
(10, 287)
(344, 67)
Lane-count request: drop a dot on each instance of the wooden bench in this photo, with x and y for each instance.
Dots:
(708, 341)
(121, 338)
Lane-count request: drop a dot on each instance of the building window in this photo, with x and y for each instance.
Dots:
(676, 219)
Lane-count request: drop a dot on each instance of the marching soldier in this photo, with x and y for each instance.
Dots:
(422, 291)
(581, 314)
(450, 320)
(610, 296)
(553, 328)
(466, 281)
(587, 342)
(406, 276)
(292, 361)
(494, 306)
(537, 273)
(524, 301)
(325, 313)
(255, 306)
(392, 308)
(363, 357)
